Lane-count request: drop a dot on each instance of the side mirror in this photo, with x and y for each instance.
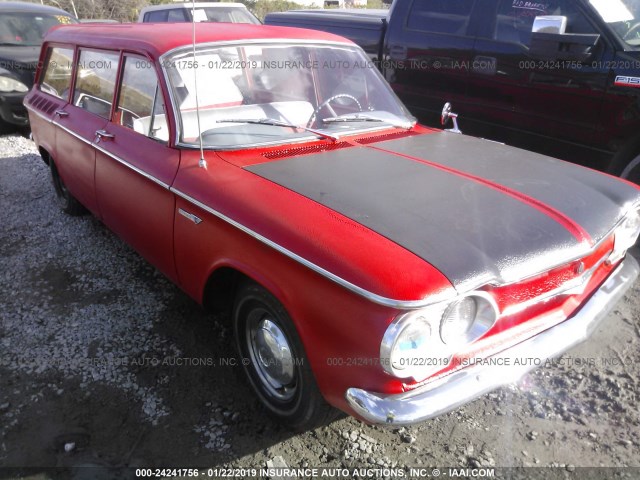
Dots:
(550, 42)
(448, 114)
(549, 24)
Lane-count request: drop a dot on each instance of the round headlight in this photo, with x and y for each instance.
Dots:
(411, 343)
(458, 319)
(467, 319)
(411, 347)
(420, 343)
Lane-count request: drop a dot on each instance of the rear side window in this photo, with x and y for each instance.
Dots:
(96, 81)
(56, 80)
(140, 106)
(176, 15)
(440, 16)
(157, 16)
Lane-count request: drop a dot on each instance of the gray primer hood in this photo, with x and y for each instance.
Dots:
(478, 211)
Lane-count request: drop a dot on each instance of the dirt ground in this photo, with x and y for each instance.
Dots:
(87, 327)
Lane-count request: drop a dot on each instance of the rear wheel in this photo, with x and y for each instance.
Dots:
(66, 200)
(274, 360)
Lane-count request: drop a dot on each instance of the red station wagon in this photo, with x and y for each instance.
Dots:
(370, 264)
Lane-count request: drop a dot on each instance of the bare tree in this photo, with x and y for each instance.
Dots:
(122, 10)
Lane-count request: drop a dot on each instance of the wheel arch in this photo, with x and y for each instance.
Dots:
(44, 153)
(218, 294)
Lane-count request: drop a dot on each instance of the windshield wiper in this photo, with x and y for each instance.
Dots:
(366, 118)
(277, 123)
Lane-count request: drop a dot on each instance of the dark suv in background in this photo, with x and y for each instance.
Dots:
(561, 77)
(22, 28)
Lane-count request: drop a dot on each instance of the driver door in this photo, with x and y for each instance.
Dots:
(558, 102)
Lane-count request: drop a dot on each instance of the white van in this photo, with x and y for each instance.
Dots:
(203, 12)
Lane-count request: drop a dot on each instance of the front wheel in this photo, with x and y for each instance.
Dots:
(274, 360)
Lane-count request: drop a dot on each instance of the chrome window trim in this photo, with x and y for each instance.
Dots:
(255, 41)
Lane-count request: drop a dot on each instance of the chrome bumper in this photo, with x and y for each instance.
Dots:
(465, 385)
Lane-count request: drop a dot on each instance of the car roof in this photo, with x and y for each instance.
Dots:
(171, 6)
(31, 7)
(158, 38)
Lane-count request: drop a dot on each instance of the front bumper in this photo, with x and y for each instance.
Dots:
(465, 385)
(12, 110)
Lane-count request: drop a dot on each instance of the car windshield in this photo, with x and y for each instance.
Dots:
(224, 14)
(28, 28)
(258, 94)
(624, 18)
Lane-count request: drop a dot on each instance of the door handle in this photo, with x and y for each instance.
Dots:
(104, 134)
(195, 219)
(61, 113)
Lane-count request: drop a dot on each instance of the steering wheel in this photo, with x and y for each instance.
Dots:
(327, 104)
(633, 29)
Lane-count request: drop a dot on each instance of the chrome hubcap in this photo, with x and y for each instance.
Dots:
(272, 358)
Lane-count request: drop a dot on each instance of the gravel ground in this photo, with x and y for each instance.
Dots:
(105, 362)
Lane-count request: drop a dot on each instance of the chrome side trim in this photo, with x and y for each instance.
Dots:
(473, 381)
(114, 157)
(38, 114)
(132, 167)
(71, 132)
(387, 302)
(253, 41)
(380, 300)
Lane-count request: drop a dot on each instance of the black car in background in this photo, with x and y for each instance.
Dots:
(560, 77)
(22, 28)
